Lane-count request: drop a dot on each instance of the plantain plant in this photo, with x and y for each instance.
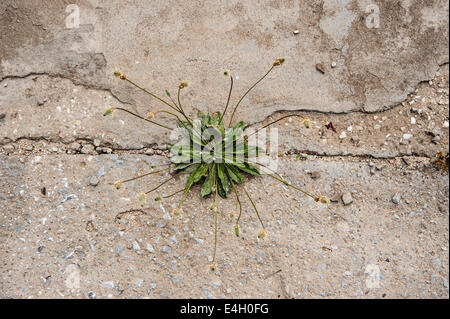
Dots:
(218, 157)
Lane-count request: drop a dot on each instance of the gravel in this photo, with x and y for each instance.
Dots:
(93, 181)
(347, 198)
(396, 198)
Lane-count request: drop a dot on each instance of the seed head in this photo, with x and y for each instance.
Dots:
(226, 73)
(120, 75)
(141, 197)
(109, 111)
(177, 211)
(157, 198)
(183, 85)
(322, 199)
(307, 123)
(278, 62)
(118, 184)
(214, 208)
(262, 234)
(151, 115)
(213, 266)
(236, 230)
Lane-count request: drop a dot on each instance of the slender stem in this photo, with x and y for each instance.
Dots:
(284, 181)
(167, 180)
(181, 108)
(228, 100)
(237, 198)
(215, 219)
(170, 97)
(282, 118)
(232, 115)
(141, 117)
(167, 164)
(164, 111)
(148, 92)
(173, 194)
(288, 184)
(254, 206)
(140, 176)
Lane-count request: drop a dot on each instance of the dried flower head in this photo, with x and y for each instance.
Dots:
(322, 199)
(262, 234)
(118, 184)
(183, 85)
(177, 211)
(307, 123)
(109, 111)
(152, 115)
(226, 73)
(236, 230)
(213, 266)
(278, 62)
(141, 197)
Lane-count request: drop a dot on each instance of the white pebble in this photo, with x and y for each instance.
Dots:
(413, 120)
(343, 135)
(296, 31)
(445, 124)
(136, 246)
(407, 136)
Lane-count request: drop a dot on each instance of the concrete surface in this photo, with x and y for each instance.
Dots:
(387, 95)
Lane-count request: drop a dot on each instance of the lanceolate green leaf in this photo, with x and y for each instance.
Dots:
(196, 176)
(234, 173)
(223, 179)
(250, 169)
(209, 181)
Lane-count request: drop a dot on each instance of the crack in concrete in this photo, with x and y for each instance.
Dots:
(74, 82)
(165, 152)
(143, 150)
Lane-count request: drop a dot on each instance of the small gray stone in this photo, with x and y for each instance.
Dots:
(177, 279)
(92, 295)
(9, 148)
(136, 246)
(93, 181)
(436, 262)
(88, 149)
(119, 249)
(347, 198)
(396, 199)
(173, 239)
(75, 146)
(436, 139)
(108, 284)
(96, 143)
(166, 249)
(149, 248)
(208, 294)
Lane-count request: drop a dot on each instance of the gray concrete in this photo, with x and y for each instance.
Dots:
(163, 43)
(67, 233)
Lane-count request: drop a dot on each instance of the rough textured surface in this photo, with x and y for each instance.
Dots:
(143, 251)
(66, 232)
(169, 41)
